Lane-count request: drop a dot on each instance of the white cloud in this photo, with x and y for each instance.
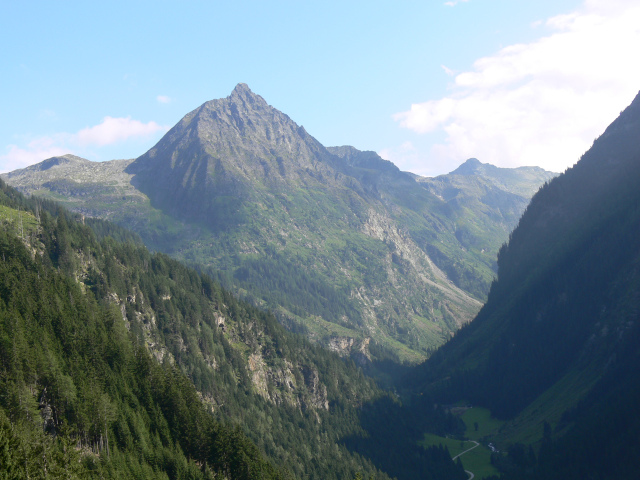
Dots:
(447, 70)
(114, 130)
(404, 154)
(111, 131)
(544, 102)
(453, 3)
(163, 99)
(35, 152)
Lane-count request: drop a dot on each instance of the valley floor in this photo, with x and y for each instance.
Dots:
(474, 453)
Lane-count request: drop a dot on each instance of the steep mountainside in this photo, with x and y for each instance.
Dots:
(81, 398)
(557, 340)
(338, 243)
(279, 201)
(88, 322)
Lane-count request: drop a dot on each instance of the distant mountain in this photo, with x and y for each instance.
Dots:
(486, 203)
(339, 243)
(524, 181)
(557, 340)
(229, 155)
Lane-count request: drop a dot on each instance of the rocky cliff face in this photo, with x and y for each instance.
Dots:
(278, 379)
(224, 155)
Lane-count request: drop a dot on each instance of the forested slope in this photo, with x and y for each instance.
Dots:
(150, 368)
(79, 399)
(557, 341)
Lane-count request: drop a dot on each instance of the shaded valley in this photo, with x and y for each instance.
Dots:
(554, 351)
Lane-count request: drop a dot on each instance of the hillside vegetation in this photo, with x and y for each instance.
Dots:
(124, 363)
(79, 398)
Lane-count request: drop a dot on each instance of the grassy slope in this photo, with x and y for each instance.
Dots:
(477, 460)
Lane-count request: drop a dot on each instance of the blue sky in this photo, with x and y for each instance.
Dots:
(427, 84)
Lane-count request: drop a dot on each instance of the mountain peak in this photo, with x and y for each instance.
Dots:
(363, 159)
(224, 148)
(243, 93)
(55, 161)
(242, 89)
(468, 168)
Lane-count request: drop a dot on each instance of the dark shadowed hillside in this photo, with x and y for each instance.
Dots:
(557, 341)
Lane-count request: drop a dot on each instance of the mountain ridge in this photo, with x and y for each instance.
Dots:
(337, 242)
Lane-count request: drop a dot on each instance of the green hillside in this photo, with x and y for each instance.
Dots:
(144, 367)
(80, 399)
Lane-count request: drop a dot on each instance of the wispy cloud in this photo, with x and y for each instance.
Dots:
(447, 70)
(540, 103)
(404, 154)
(163, 99)
(114, 130)
(453, 3)
(110, 131)
(36, 151)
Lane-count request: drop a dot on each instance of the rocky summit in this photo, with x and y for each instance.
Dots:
(227, 154)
